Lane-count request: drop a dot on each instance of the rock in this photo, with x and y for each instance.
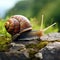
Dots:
(17, 47)
(16, 52)
(12, 56)
(51, 37)
(50, 52)
(28, 49)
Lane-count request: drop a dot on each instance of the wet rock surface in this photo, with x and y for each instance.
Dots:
(34, 49)
(50, 52)
(51, 37)
(12, 56)
(16, 52)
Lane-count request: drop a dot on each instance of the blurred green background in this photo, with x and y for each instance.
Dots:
(33, 10)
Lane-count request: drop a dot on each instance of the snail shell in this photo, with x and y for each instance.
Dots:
(17, 24)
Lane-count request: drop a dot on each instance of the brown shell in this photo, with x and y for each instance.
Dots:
(17, 23)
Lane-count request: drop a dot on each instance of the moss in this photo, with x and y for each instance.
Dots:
(4, 47)
(4, 44)
(34, 48)
(41, 44)
(32, 52)
(31, 45)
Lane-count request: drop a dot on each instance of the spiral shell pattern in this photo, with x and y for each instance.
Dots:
(17, 24)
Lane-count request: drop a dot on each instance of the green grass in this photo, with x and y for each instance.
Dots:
(5, 37)
(2, 28)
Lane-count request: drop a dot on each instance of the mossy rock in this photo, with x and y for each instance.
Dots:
(4, 43)
(38, 45)
(41, 44)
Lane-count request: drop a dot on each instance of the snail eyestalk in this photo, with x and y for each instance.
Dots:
(49, 26)
(42, 22)
(41, 31)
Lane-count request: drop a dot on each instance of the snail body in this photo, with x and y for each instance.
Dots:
(20, 27)
(28, 35)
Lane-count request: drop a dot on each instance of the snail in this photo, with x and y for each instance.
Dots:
(20, 27)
